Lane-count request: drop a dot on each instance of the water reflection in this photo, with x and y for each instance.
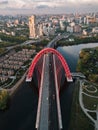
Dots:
(71, 53)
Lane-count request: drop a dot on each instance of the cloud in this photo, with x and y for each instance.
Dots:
(42, 6)
(16, 4)
(3, 2)
(29, 4)
(32, 4)
(49, 5)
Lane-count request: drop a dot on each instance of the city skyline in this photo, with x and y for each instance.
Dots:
(47, 6)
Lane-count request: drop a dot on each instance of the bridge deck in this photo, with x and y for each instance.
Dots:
(42, 113)
(43, 125)
(53, 109)
(47, 115)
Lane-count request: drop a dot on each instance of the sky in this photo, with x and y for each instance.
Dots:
(47, 6)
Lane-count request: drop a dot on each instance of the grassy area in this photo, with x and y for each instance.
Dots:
(89, 102)
(6, 44)
(79, 121)
(93, 114)
(90, 87)
(92, 94)
(13, 39)
(2, 50)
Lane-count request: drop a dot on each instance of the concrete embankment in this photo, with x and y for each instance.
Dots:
(14, 88)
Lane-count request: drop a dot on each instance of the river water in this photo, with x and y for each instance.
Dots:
(21, 114)
(71, 53)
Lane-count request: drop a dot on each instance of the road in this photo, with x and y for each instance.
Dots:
(43, 97)
(48, 118)
(24, 43)
(56, 39)
(53, 117)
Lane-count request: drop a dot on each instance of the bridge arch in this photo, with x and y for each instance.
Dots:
(41, 53)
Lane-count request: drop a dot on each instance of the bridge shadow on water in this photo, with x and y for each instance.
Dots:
(66, 95)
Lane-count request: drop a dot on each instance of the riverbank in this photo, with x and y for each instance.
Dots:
(77, 41)
(88, 63)
(7, 94)
(13, 89)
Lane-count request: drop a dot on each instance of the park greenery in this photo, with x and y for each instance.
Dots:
(3, 99)
(13, 39)
(2, 50)
(8, 40)
(78, 120)
(88, 63)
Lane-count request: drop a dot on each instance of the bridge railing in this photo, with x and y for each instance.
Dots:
(40, 96)
(57, 96)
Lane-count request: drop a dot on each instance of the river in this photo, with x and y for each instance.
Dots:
(23, 106)
(71, 53)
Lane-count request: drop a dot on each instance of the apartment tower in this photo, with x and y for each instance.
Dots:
(32, 26)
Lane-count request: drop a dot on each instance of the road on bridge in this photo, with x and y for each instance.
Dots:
(47, 117)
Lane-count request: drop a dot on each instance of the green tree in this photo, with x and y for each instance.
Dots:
(3, 99)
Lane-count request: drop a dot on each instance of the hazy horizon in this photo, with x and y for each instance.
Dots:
(47, 6)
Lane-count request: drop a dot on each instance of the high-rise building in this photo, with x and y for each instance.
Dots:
(77, 29)
(32, 26)
(62, 26)
(91, 19)
(40, 27)
(69, 29)
(16, 22)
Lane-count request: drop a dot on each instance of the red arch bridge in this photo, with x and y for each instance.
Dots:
(60, 64)
(49, 66)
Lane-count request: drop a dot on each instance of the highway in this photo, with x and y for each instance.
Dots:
(56, 39)
(53, 116)
(47, 115)
(43, 104)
